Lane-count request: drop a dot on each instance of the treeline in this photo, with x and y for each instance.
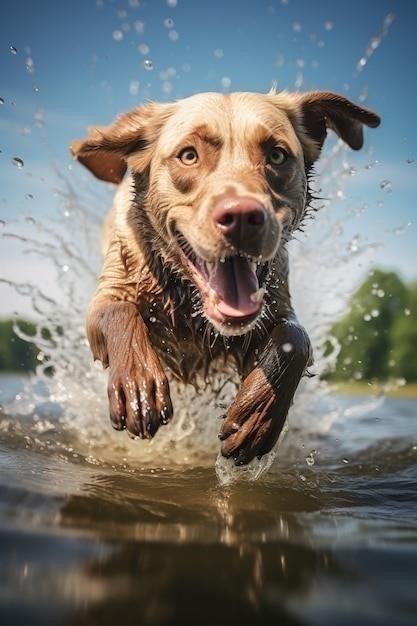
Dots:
(378, 334)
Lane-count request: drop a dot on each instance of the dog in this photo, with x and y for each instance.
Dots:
(211, 189)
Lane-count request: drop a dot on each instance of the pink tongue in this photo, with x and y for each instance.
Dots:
(234, 282)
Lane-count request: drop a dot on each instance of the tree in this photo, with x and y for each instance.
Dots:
(404, 339)
(15, 353)
(364, 334)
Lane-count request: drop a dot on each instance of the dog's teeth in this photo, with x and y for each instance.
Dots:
(222, 259)
(253, 266)
(258, 296)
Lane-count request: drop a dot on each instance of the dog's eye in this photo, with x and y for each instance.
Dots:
(277, 156)
(188, 156)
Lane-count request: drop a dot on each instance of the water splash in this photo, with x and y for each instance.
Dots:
(66, 414)
(375, 42)
(18, 162)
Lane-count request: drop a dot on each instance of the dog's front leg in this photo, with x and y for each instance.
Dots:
(138, 390)
(255, 419)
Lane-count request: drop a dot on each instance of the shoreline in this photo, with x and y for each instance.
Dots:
(390, 389)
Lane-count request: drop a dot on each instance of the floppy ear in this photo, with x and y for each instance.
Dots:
(106, 148)
(320, 110)
(324, 109)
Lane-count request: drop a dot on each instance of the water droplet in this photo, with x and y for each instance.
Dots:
(166, 86)
(310, 460)
(353, 245)
(280, 60)
(143, 48)
(148, 64)
(361, 64)
(134, 87)
(173, 35)
(226, 82)
(218, 53)
(172, 3)
(346, 460)
(30, 67)
(18, 162)
(367, 317)
(38, 117)
(380, 293)
(375, 313)
(296, 26)
(36, 89)
(388, 20)
(373, 45)
(13, 50)
(117, 35)
(1, 100)
(139, 26)
(65, 268)
(152, 320)
(386, 185)
(134, 4)
(407, 312)
(121, 13)
(328, 25)
(287, 347)
(169, 22)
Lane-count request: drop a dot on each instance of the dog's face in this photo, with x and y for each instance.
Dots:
(226, 184)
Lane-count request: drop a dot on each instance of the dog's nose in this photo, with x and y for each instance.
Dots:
(240, 219)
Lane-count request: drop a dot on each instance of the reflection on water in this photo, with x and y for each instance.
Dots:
(333, 541)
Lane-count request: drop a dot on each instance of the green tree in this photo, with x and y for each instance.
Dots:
(404, 339)
(364, 333)
(15, 353)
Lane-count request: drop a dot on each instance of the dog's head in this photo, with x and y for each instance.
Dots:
(223, 180)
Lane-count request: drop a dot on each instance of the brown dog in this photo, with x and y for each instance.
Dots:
(196, 264)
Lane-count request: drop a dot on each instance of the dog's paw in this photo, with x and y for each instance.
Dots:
(139, 398)
(254, 421)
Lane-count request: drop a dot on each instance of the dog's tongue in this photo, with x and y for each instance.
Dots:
(234, 283)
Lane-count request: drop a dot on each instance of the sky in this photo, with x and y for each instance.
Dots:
(67, 65)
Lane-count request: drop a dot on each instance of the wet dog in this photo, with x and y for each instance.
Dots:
(196, 265)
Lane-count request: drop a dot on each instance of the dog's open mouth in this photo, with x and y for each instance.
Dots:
(231, 288)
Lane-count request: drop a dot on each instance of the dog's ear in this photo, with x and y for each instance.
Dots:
(106, 149)
(317, 111)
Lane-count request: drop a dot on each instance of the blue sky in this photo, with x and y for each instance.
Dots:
(66, 65)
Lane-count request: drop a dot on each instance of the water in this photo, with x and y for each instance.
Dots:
(86, 540)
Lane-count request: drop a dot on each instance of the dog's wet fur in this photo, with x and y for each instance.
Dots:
(212, 188)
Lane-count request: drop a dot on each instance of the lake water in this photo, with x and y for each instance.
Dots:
(327, 536)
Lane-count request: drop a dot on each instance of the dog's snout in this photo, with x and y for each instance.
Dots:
(240, 219)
